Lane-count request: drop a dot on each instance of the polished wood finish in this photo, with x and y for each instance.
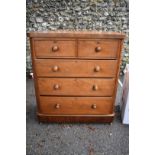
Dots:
(76, 75)
(75, 105)
(76, 118)
(75, 68)
(76, 34)
(98, 48)
(54, 48)
(76, 86)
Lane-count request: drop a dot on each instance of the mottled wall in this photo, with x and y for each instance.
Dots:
(105, 15)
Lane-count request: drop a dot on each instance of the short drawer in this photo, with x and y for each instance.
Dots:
(98, 48)
(55, 48)
(76, 86)
(75, 68)
(75, 105)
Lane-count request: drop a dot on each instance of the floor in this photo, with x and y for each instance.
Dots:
(73, 139)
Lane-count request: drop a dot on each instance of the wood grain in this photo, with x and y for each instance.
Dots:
(75, 75)
(76, 34)
(76, 86)
(75, 118)
(76, 105)
(75, 68)
(98, 48)
(45, 48)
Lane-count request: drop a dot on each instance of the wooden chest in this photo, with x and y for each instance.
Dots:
(76, 75)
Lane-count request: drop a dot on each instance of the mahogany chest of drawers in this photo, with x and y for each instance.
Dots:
(75, 74)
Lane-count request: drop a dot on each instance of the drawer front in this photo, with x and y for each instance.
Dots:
(76, 86)
(75, 105)
(47, 48)
(76, 68)
(98, 48)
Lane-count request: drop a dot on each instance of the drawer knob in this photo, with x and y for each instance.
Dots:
(55, 48)
(55, 68)
(97, 69)
(94, 106)
(95, 87)
(57, 106)
(56, 86)
(98, 49)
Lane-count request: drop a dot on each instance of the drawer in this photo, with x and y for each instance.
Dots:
(76, 86)
(98, 48)
(75, 68)
(75, 105)
(55, 48)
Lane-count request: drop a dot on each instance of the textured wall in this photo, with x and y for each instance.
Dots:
(105, 15)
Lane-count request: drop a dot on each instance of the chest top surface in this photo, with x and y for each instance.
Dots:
(76, 34)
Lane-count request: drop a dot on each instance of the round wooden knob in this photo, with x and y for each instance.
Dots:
(98, 49)
(56, 86)
(57, 106)
(97, 69)
(55, 68)
(95, 87)
(94, 106)
(55, 48)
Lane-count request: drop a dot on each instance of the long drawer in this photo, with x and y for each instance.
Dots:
(75, 68)
(75, 105)
(76, 86)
